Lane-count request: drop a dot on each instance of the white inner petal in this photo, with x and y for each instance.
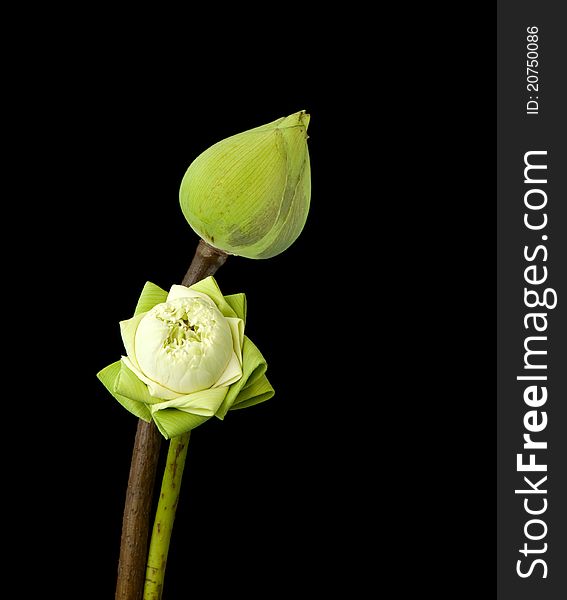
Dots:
(184, 344)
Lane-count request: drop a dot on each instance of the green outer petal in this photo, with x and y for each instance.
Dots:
(238, 305)
(155, 389)
(253, 368)
(231, 374)
(128, 384)
(210, 287)
(172, 422)
(150, 296)
(108, 377)
(259, 391)
(204, 403)
(237, 333)
(128, 331)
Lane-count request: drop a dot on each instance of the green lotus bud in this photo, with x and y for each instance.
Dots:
(249, 194)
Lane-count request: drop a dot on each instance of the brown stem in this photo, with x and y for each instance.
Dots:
(205, 262)
(136, 519)
(145, 455)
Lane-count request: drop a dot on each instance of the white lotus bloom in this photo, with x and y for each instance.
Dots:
(184, 345)
(187, 358)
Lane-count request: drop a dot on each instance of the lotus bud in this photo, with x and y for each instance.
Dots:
(249, 194)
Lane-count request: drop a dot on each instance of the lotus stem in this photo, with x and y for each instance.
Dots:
(145, 456)
(165, 516)
(136, 519)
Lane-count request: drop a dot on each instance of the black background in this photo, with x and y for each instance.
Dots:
(268, 495)
(288, 495)
(376, 473)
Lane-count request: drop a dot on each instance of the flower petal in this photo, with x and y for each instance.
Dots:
(108, 377)
(172, 422)
(180, 291)
(129, 385)
(210, 287)
(204, 403)
(253, 368)
(238, 304)
(158, 391)
(176, 417)
(232, 373)
(150, 296)
(237, 332)
(128, 331)
(259, 391)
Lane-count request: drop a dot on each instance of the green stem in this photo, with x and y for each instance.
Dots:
(165, 516)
